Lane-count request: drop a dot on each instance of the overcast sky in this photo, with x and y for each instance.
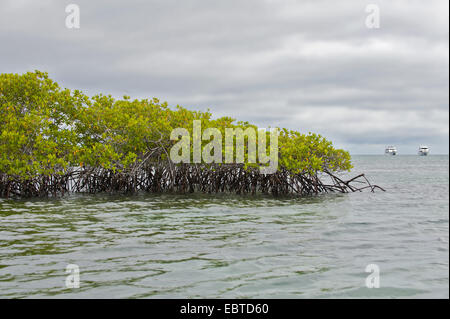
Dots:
(304, 65)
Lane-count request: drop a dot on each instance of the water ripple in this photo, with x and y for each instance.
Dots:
(225, 246)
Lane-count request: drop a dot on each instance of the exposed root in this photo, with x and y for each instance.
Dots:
(183, 178)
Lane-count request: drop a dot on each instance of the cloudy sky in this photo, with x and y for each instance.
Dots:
(304, 65)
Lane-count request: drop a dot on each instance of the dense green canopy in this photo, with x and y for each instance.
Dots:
(44, 130)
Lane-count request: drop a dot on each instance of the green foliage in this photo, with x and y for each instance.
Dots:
(46, 130)
(310, 153)
(36, 119)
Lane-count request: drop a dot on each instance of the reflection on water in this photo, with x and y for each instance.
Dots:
(228, 246)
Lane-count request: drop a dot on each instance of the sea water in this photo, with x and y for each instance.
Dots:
(229, 246)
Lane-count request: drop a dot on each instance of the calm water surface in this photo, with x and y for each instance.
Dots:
(169, 246)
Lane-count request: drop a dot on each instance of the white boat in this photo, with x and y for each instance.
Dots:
(390, 150)
(423, 150)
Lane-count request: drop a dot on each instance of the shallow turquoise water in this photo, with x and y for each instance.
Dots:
(169, 246)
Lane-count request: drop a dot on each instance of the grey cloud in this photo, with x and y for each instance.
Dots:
(305, 65)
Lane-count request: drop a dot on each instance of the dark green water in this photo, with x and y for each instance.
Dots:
(168, 246)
